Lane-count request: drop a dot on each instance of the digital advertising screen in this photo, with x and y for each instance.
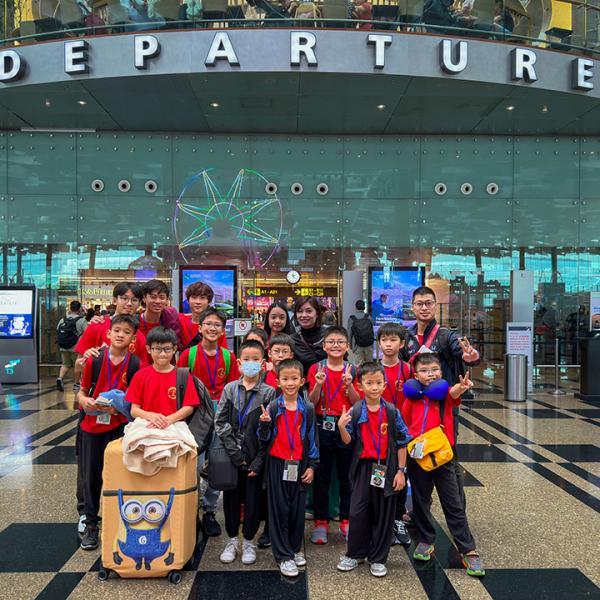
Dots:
(390, 294)
(222, 280)
(16, 312)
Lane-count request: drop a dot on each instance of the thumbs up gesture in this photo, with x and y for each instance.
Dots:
(320, 375)
(344, 419)
(265, 417)
(347, 376)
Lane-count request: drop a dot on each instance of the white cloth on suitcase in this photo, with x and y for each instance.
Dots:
(147, 450)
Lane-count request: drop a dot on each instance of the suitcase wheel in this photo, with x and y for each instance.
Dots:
(174, 577)
(104, 574)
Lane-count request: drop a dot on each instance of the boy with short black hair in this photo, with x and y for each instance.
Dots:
(117, 367)
(377, 472)
(281, 347)
(391, 338)
(287, 427)
(331, 390)
(259, 335)
(429, 404)
(157, 311)
(236, 424)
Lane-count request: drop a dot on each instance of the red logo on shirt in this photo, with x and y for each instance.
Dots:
(221, 373)
(384, 428)
(131, 347)
(124, 378)
(172, 393)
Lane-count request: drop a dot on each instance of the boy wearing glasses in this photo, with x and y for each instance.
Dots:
(331, 386)
(421, 414)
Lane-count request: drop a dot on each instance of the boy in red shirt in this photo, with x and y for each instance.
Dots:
(391, 338)
(153, 390)
(377, 473)
(155, 299)
(287, 426)
(281, 348)
(199, 296)
(422, 414)
(331, 390)
(98, 431)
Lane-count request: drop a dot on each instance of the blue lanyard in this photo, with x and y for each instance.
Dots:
(425, 416)
(291, 436)
(242, 417)
(394, 393)
(212, 376)
(328, 390)
(378, 443)
(113, 384)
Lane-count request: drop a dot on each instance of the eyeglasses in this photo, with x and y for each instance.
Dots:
(335, 342)
(129, 299)
(165, 350)
(212, 325)
(426, 304)
(428, 371)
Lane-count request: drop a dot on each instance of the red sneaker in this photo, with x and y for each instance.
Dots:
(344, 525)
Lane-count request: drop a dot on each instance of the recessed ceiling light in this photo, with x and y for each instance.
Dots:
(380, 106)
(47, 103)
(82, 102)
(545, 109)
(214, 104)
(511, 107)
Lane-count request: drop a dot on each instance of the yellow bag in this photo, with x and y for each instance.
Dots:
(436, 449)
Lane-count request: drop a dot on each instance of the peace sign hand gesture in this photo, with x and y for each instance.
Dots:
(469, 353)
(347, 376)
(344, 419)
(464, 382)
(320, 375)
(265, 417)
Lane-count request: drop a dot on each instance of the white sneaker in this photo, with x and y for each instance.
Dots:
(81, 525)
(347, 564)
(248, 553)
(378, 570)
(288, 568)
(299, 559)
(231, 551)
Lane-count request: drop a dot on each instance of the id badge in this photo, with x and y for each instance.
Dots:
(290, 470)
(103, 419)
(418, 450)
(329, 423)
(378, 475)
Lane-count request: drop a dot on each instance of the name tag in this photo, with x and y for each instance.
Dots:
(418, 450)
(329, 423)
(103, 419)
(290, 470)
(378, 475)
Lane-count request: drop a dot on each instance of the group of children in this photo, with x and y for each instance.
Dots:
(284, 430)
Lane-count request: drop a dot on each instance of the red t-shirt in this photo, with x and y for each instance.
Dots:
(209, 373)
(281, 445)
(391, 393)
(333, 393)
(373, 435)
(271, 378)
(157, 392)
(189, 330)
(118, 376)
(420, 337)
(95, 335)
(413, 412)
(145, 326)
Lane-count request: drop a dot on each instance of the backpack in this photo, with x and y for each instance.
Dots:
(201, 422)
(194, 352)
(66, 332)
(362, 331)
(132, 367)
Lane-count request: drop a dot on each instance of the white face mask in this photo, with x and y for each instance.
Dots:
(251, 368)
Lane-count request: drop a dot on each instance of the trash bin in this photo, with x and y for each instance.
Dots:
(515, 377)
(589, 382)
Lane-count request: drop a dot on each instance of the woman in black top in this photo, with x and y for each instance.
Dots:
(308, 341)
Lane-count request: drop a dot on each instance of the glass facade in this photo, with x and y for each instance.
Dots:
(468, 209)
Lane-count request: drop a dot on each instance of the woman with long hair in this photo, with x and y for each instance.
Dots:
(277, 319)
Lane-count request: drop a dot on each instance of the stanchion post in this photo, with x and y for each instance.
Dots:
(556, 391)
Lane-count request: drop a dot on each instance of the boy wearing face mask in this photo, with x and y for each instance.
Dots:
(236, 424)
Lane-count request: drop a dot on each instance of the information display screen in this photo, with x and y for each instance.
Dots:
(390, 294)
(16, 312)
(222, 280)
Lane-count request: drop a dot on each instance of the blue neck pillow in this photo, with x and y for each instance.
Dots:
(437, 390)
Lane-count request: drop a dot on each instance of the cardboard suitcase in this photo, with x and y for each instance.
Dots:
(148, 522)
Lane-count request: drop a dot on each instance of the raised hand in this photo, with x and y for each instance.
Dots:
(347, 376)
(265, 417)
(320, 375)
(344, 419)
(465, 382)
(469, 353)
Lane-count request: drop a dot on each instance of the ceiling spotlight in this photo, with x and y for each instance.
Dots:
(545, 109)
(511, 107)
(82, 102)
(47, 103)
(380, 106)
(214, 104)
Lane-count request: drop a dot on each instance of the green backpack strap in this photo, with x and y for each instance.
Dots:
(192, 358)
(227, 361)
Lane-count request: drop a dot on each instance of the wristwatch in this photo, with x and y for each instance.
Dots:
(402, 470)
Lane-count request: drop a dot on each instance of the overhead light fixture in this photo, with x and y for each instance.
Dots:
(82, 102)
(545, 109)
(511, 107)
(380, 106)
(47, 103)
(214, 104)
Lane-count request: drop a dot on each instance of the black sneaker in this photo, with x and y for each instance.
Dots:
(76, 387)
(60, 386)
(89, 540)
(264, 541)
(211, 525)
(401, 535)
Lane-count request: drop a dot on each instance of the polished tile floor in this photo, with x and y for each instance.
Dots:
(533, 496)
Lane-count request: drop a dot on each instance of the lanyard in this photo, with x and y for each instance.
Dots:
(425, 416)
(212, 376)
(242, 417)
(113, 384)
(328, 395)
(378, 443)
(427, 342)
(394, 393)
(291, 436)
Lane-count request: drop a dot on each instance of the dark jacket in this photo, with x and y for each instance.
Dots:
(242, 444)
(308, 347)
(398, 437)
(267, 432)
(446, 344)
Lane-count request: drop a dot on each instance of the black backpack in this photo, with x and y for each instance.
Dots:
(362, 331)
(66, 333)
(132, 367)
